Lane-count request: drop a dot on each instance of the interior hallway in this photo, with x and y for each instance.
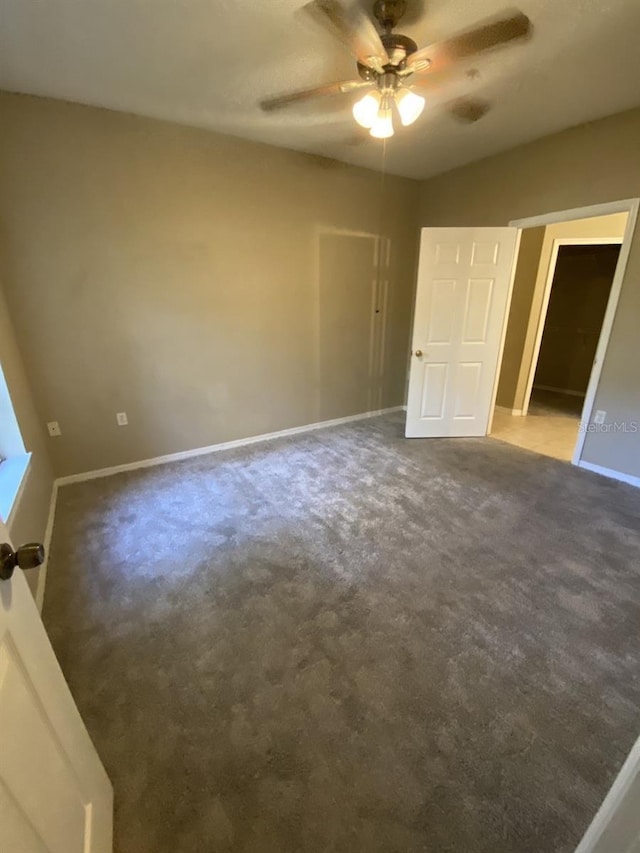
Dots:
(550, 426)
(350, 641)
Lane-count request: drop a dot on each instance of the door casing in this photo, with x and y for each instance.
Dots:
(630, 206)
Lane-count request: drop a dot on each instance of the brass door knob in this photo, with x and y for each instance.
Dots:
(418, 352)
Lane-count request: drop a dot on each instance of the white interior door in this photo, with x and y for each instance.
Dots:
(464, 287)
(55, 796)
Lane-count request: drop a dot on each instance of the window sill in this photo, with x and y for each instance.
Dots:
(12, 474)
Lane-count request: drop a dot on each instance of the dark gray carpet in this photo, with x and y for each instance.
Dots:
(350, 642)
(555, 404)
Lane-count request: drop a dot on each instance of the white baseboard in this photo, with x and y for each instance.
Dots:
(567, 391)
(216, 448)
(42, 576)
(508, 411)
(609, 472)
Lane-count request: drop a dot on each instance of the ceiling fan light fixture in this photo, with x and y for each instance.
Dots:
(382, 127)
(409, 105)
(365, 111)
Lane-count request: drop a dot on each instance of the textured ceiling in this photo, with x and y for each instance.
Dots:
(208, 62)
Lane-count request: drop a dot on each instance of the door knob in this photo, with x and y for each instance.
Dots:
(418, 352)
(26, 557)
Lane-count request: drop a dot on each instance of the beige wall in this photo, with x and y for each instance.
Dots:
(186, 278)
(28, 519)
(521, 300)
(587, 165)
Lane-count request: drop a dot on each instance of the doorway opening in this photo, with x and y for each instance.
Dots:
(479, 320)
(562, 308)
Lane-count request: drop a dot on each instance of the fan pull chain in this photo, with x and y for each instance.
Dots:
(383, 175)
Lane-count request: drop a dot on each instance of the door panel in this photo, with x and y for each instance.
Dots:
(442, 312)
(434, 385)
(16, 833)
(467, 388)
(446, 252)
(464, 282)
(476, 314)
(485, 253)
(351, 324)
(55, 796)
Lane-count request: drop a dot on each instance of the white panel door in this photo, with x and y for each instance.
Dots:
(55, 796)
(464, 285)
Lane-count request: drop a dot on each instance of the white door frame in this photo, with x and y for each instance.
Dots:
(546, 295)
(630, 206)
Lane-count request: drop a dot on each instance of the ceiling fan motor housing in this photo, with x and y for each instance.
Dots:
(389, 12)
(399, 48)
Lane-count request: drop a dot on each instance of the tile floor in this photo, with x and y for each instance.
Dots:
(550, 427)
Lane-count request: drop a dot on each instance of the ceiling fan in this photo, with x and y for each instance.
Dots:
(391, 67)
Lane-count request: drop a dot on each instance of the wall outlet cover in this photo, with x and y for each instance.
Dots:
(121, 418)
(53, 428)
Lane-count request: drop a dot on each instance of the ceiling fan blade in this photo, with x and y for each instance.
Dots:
(468, 110)
(434, 82)
(486, 37)
(353, 27)
(280, 101)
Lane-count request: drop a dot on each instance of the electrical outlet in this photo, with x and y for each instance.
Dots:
(121, 418)
(54, 428)
(599, 417)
